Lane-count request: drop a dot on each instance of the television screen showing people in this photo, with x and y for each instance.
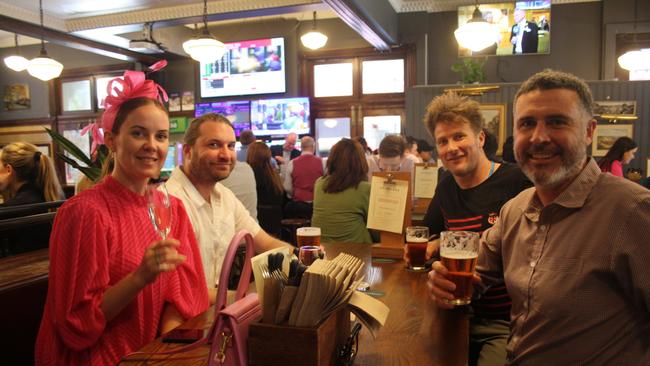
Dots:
(276, 117)
(248, 67)
(524, 27)
(237, 112)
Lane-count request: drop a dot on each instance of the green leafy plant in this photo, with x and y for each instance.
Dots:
(92, 168)
(470, 70)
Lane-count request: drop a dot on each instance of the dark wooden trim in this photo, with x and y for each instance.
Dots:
(27, 122)
(72, 41)
(372, 32)
(96, 70)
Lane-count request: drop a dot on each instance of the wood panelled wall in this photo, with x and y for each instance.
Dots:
(418, 97)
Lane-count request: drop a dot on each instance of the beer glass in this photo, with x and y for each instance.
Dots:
(417, 238)
(308, 236)
(458, 252)
(307, 254)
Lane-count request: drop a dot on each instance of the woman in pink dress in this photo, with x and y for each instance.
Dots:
(114, 285)
(621, 153)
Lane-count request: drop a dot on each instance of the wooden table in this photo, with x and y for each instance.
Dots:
(415, 333)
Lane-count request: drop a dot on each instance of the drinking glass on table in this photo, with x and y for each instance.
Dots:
(307, 254)
(417, 238)
(308, 236)
(159, 208)
(459, 252)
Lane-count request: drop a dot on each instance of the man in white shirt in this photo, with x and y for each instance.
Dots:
(216, 214)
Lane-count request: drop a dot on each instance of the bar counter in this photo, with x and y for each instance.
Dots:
(415, 333)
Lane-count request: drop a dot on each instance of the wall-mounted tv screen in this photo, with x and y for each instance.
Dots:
(280, 116)
(170, 161)
(237, 112)
(248, 67)
(524, 27)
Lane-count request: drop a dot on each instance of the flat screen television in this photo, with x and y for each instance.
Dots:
(170, 161)
(237, 112)
(248, 67)
(278, 117)
(524, 27)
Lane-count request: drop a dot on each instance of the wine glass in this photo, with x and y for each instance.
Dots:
(159, 208)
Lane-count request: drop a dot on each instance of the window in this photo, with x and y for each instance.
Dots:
(101, 84)
(329, 131)
(333, 80)
(375, 128)
(382, 76)
(75, 96)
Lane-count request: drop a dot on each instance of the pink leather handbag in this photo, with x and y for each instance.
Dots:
(229, 333)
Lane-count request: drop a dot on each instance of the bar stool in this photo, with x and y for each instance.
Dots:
(289, 227)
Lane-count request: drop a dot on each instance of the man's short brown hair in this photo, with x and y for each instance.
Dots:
(551, 79)
(392, 146)
(448, 108)
(192, 132)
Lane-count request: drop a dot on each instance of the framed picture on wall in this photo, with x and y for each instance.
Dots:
(45, 148)
(617, 108)
(494, 120)
(606, 135)
(647, 167)
(16, 97)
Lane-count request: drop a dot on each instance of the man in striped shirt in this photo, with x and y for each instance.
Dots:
(470, 198)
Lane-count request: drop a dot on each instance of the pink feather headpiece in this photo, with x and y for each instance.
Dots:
(134, 85)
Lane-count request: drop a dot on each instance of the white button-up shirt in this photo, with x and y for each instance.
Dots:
(215, 222)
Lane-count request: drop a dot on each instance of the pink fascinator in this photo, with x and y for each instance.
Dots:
(133, 85)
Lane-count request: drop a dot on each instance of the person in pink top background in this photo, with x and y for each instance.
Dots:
(621, 153)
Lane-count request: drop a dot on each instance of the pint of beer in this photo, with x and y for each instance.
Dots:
(308, 236)
(459, 252)
(417, 238)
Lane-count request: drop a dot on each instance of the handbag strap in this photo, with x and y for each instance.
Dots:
(244, 279)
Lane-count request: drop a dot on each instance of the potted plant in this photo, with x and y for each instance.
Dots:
(470, 70)
(92, 168)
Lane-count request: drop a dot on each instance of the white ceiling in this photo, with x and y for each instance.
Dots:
(97, 19)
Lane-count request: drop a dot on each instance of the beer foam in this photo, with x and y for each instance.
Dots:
(459, 254)
(308, 231)
(415, 239)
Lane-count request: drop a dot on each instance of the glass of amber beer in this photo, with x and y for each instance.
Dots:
(417, 238)
(308, 236)
(458, 252)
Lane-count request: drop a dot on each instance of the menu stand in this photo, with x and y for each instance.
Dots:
(391, 245)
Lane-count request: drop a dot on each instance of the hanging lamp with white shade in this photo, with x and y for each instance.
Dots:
(638, 59)
(477, 34)
(205, 48)
(44, 67)
(313, 39)
(16, 62)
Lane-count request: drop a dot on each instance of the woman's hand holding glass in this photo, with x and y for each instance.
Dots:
(162, 256)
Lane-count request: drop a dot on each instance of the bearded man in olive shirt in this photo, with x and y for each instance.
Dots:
(573, 250)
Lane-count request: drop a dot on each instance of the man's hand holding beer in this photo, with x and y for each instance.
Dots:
(442, 289)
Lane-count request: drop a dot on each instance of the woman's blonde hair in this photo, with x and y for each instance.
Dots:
(30, 165)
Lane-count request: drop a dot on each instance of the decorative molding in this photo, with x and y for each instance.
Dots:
(32, 16)
(435, 6)
(177, 12)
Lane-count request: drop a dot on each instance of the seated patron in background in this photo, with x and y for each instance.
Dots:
(27, 176)
(216, 214)
(342, 196)
(425, 151)
(246, 137)
(392, 157)
(114, 285)
(411, 151)
(299, 179)
(361, 140)
(621, 153)
(508, 153)
(573, 249)
(270, 193)
(470, 198)
(283, 154)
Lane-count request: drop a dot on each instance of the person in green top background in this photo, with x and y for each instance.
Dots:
(341, 197)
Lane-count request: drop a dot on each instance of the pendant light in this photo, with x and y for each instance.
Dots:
(635, 59)
(476, 34)
(313, 39)
(16, 62)
(44, 67)
(205, 48)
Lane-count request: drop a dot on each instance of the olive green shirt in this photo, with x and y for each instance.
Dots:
(342, 216)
